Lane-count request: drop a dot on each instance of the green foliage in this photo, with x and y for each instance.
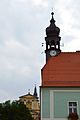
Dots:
(14, 111)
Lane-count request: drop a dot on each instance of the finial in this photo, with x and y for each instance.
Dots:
(28, 91)
(52, 8)
(52, 20)
(52, 14)
(35, 83)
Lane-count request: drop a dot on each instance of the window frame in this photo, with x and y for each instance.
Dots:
(69, 107)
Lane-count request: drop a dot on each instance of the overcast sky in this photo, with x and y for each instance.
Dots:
(22, 31)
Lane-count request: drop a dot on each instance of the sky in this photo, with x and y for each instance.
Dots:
(22, 32)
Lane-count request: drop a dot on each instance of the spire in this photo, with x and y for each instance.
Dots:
(52, 29)
(35, 91)
(52, 20)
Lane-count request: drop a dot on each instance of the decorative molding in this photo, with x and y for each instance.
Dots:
(66, 90)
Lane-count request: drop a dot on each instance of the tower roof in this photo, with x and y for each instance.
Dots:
(62, 70)
(35, 91)
(52, 29)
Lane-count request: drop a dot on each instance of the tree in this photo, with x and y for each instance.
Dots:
(14, 111)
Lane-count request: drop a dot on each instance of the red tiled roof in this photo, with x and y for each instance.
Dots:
(62, 70)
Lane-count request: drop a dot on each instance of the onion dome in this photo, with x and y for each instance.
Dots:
(52, 29)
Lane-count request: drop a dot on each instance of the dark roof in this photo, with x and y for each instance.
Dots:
(26, 95)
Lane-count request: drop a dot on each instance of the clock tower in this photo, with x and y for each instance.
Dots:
(52, 39)
(60, 80)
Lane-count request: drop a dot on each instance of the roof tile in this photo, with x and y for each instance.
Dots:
(62, 70)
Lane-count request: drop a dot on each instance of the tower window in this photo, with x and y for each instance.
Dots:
(72, 107)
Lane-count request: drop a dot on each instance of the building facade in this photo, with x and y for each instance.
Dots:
(32, 103)
(60, 84)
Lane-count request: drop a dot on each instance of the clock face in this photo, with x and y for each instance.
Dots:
(53, 52)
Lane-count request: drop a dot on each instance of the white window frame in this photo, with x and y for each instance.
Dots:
(68, 106)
